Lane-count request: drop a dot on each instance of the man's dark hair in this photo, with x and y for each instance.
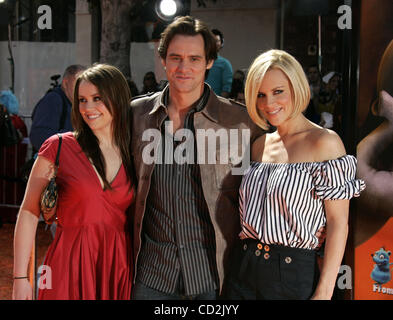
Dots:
(217, 32)
(188, 26)
(72, 70)
(312, 66)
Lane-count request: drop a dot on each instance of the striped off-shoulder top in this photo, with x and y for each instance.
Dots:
(282, 203)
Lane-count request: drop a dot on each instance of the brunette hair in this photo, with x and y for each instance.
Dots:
(188, 26)
(115, 94)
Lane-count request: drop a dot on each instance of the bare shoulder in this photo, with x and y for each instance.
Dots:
(326, 144)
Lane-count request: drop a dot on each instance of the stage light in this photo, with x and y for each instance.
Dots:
(167, 9)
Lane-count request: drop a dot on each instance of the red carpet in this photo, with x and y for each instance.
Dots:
(43, 240)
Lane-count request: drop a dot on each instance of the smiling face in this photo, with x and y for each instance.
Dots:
(185, 64)
(274, 100)
(92, 108)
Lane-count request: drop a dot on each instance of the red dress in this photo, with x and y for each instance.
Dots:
(91, 254)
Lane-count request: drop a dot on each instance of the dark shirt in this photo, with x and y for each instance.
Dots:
(46, 117)
(179, 239)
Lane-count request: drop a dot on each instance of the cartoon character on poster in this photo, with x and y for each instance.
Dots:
(374, 219)
(381, 273)
(375, 156)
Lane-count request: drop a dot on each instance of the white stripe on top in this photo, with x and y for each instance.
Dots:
(282, 203)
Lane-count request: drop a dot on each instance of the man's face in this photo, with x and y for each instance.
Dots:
(185, 64)
(218, 42)
(313, 75)
(333, 83)
(68, 86)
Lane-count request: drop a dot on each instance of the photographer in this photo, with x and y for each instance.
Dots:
(52, 112)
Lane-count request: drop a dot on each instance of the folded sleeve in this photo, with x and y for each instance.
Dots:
(336, 179)
(48, 149)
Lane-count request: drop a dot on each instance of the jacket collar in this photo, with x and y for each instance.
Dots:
(210, 109)
(159, 101)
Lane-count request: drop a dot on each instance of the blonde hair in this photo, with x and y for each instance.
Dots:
(276, 59)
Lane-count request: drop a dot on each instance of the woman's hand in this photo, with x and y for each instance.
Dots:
(337, 212)
(320, 296)
(22, 290)
(26, 226)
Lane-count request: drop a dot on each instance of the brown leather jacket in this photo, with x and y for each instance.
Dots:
(220, 187)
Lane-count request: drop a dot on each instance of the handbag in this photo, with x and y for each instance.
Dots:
(49, 196)
(9, 135)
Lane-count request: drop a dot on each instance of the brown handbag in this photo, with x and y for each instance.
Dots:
(49, 196)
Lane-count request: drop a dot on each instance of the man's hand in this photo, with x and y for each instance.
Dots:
(321, 235)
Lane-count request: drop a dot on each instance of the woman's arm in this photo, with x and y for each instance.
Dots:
(337, 212)
(26, 226)
(329, 147)
(25, 231)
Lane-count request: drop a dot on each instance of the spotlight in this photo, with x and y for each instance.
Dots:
(168, 9)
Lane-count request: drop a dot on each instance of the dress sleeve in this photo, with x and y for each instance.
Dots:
(335, 179)
(48, 149)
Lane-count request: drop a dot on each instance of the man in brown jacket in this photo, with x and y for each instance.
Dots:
(189, 147)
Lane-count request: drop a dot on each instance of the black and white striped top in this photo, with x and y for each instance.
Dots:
(282, 203)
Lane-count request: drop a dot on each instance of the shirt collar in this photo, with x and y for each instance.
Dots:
(199, 105)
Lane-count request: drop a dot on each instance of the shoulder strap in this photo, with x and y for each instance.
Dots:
(58, 150)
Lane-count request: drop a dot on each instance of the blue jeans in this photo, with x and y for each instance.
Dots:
(142, 292)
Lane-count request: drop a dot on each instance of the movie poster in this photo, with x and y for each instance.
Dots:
(373, 231)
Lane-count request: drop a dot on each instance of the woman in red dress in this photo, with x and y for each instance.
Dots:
(91, 254)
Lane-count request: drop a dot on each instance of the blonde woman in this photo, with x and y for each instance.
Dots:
(300, 179)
